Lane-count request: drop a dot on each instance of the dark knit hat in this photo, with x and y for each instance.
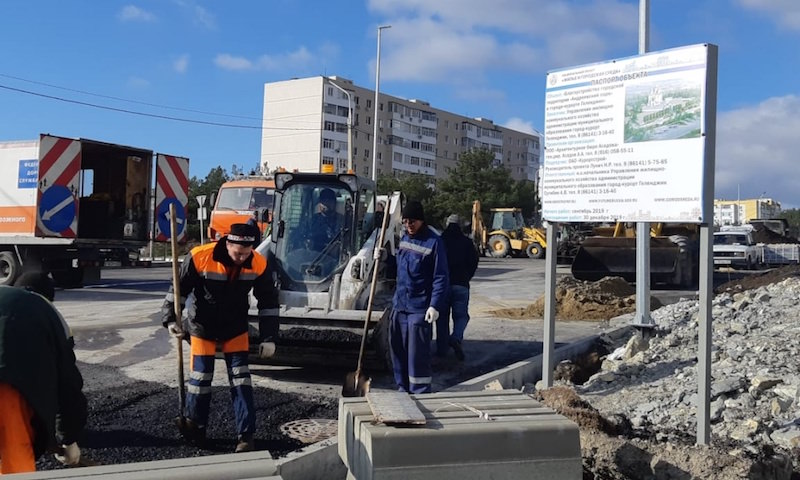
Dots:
(37, 282)
(243, 234)
(413, 211)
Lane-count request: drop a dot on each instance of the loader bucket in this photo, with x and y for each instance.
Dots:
(600, 257)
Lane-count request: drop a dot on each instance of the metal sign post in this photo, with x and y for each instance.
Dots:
(201, 210)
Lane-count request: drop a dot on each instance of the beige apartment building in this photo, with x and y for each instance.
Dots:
(305, 127)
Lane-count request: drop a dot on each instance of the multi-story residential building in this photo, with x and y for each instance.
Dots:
(738, 212)
(305, 127)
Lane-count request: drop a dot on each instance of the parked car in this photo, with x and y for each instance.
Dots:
(736, 249)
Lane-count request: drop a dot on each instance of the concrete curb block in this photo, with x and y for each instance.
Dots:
(321, 460)
(232, 466)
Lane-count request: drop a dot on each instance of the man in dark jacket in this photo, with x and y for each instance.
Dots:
(421, 293)
(221, 275)
(462, 260)
(41, 402)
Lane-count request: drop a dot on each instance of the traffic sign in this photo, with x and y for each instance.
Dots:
(163, 216)
(57, 208)
(201, 200)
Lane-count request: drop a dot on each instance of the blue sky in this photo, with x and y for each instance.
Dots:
(208, 62)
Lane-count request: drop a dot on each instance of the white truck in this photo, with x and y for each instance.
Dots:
(736, 248)
(67, 205)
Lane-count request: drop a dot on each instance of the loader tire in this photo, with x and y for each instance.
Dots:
(534, 250)
(10, 268)
(499, 246)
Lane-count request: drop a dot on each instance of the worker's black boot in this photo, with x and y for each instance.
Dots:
(245, 443)
(193, 433)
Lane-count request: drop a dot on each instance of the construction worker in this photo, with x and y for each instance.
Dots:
(221, 275)
(421, 293)
(462, 260)
(39, 380)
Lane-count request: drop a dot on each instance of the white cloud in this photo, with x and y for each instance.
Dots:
(434, 40)
(181, 64)
(132, 13)
(300, 58)
(199, 14)
(480, 94)
(230, 62)
(758, 150)
(784, 12)
(520, 125)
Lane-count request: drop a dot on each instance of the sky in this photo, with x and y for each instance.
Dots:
(185, 77)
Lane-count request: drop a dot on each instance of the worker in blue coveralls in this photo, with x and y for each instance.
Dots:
(422, 292)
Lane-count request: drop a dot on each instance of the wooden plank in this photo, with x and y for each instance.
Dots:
(395, 408)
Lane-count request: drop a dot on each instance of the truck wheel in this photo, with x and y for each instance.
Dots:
(534, 250)
(9, 268)
(499, 246)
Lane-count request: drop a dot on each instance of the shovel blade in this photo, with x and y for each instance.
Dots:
(355, 385)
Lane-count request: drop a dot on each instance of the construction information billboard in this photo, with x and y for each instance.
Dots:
(625, 139)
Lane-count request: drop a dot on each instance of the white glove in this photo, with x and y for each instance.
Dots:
(173, 330)
(378, 253)
(431, 315)
(70, 455)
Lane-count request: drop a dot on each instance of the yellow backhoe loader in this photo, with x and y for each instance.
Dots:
(611, 252)
(508, 234)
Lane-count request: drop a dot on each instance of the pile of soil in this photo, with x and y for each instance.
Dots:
(763, 234)
(602, 300)
(754, 281)
(610, 451)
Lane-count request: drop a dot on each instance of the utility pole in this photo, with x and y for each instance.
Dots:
(375, 115)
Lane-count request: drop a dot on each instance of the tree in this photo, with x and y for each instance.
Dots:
(476, 178)
(414, 186)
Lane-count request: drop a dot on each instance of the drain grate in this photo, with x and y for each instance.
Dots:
(310, 430)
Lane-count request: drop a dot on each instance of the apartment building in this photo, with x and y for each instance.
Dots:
(738, 212)
(306, 127)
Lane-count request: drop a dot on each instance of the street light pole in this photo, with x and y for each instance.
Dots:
(375, 115)
(349, 125)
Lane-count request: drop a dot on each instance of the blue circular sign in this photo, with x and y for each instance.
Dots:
(163, 216)
(57, 208)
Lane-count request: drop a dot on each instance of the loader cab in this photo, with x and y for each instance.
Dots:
(320, 222)
(507, 219)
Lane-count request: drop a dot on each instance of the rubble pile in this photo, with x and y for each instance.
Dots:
(755, 391)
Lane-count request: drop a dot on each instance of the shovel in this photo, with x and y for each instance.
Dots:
(356, 384)
(176, 292)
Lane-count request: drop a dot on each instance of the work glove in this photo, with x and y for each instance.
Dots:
(431, 315)
(377, 254)
(172, 328)
(70, 455)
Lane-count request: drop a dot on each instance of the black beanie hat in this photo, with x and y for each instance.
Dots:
(243, 234)
(413, 211)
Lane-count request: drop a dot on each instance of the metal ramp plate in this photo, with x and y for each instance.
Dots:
(395, 408)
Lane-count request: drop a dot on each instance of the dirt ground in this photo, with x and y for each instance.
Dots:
(610, 452)
(582, 300)
(755, 281)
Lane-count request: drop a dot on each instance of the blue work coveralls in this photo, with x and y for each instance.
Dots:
(422, 282)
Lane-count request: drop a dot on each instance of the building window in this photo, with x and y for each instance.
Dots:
(327, 160)
(447, 124)
(369, 103)
(369, 120)
(380, 107)
(366, 153)
(327, 143)
(329, 126)
(356, 100)
(330, 91)
(355, 151)
(446, 138)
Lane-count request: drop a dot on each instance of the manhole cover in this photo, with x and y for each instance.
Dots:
(310, 430)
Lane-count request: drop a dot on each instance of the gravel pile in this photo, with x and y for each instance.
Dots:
(755, 406)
